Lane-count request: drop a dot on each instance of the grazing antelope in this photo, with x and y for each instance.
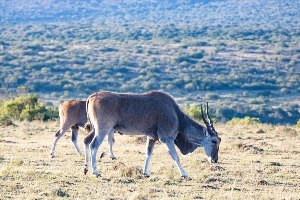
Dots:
(72, 115)
(154, 114)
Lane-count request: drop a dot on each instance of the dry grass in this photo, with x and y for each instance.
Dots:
(256, 162)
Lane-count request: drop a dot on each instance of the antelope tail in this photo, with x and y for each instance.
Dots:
(88, 126)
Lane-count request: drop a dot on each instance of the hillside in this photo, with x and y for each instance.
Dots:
(241, 56)
(245, 13)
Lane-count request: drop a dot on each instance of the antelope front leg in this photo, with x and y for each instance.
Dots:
(172, 151)
(149, 150)
(97, 141)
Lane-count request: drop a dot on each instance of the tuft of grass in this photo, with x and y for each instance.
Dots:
(17, 162)
(8, 171)
(1, 158)
(118, 166)
(131, 171)
(291, 132)
(171, 174)
(286, 131)
(137, 196)
(203, 175)
(6, 121)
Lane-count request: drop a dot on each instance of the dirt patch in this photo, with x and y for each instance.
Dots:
(250, 148)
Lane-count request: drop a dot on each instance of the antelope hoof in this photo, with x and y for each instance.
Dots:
(96, 173)
(146, 175)
(85, 171)
(185, 177)
(52, 155)
(113, 158)
(102, 155)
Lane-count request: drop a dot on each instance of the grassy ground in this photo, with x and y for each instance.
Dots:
(256, 162)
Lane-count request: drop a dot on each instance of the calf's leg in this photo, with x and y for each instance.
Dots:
(74, 131)
(58, 135)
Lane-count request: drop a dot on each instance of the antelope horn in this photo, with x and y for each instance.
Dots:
(203, 118)
(207, 113)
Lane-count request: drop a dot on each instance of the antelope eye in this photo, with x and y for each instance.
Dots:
(214, 142)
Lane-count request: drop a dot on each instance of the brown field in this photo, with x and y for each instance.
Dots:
(255, 162)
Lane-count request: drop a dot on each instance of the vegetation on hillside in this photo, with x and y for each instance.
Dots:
(244, 64)
(234, 13)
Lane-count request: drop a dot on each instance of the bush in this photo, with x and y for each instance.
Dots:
(298, 124)
(194, 111)
(6, 121)
(25, 108)
(244, 121)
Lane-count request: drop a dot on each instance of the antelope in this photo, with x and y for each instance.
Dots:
(154, 114)
(72, 114)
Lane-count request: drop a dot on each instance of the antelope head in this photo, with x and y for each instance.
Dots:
(212, 140)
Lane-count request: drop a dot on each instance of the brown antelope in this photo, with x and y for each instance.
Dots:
(72, 115)
(154, 114)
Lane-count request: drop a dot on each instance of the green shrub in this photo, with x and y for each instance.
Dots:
(298, 124)
(194, 111)
(244, 121)
(5, 121)
(25, 108)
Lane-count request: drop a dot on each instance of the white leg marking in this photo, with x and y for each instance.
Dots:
(172, 151)
(149, 150)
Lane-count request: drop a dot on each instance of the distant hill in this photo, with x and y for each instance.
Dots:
(231, 13)
(241, 56)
